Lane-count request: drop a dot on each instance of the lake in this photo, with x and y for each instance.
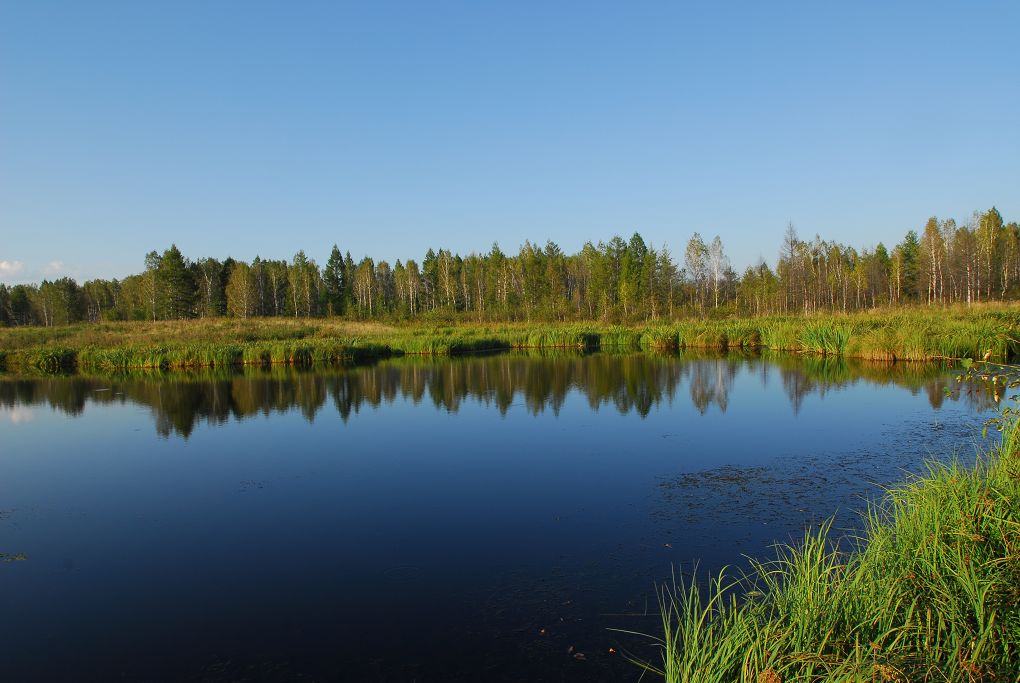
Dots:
(470, 518)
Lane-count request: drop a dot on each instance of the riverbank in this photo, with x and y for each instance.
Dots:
(903, 334)
(931, 592)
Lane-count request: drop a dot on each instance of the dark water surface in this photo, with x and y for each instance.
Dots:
(422, 520)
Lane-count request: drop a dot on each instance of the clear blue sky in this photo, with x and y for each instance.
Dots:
(244, 128)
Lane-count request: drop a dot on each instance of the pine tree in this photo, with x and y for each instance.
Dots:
(177, 285)
(333, 281)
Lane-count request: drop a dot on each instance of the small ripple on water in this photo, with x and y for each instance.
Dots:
(402, 572)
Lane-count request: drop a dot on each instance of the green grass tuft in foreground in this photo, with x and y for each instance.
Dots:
(931, 592)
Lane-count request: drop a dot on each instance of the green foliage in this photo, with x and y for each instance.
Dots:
(177, 285)
(931, 592)
(45, 359)
(303, 353)
(661, 339)
(826, 339)
(895, 335)
(607, 283)
(334, 283)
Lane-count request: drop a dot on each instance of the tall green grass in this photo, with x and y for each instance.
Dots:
(621, 338)
(302, 352)
(825, 339)
(914, 334)
(45, 359)
(664, 338)
(930, 592)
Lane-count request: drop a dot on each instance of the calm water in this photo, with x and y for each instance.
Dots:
(440, 520)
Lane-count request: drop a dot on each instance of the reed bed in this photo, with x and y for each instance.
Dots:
(661, 339)
(901, 334)
(825, 339)
(929, 592)
(214, 355)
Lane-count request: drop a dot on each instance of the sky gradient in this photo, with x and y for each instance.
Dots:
(262, 128)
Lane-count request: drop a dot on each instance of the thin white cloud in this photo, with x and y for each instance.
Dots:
(54, 268)
(10, 268)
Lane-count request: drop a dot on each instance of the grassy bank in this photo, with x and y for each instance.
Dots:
(915, 334)
(931, 592)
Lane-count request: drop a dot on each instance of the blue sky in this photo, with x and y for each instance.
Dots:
(244, 128)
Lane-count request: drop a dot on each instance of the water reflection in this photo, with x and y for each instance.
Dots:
(626, 382)
(494, 539)
(17, 414)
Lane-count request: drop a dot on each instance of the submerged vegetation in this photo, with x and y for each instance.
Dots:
(930, 591)
(918, 334)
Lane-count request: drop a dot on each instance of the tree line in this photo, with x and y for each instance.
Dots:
(615, 281)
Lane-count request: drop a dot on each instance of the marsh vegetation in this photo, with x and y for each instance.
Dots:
(919, 334)
(930, 591)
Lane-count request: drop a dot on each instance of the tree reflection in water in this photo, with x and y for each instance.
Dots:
(632, 382)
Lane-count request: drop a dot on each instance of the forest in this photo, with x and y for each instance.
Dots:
(617, 281)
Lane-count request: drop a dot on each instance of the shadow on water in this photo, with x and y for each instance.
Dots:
(626, 382)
